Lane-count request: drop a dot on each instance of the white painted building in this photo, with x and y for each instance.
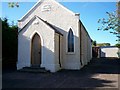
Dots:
(53, 37)
(109, 51)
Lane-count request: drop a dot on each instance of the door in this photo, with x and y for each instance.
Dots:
(36, 51)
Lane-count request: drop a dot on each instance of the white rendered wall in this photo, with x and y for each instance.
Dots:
(109, 52)
(56, 16)
(63, 20)
(57, 52)
(47, 41)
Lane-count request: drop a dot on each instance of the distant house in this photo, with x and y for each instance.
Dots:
(53, 37)
(108, 51)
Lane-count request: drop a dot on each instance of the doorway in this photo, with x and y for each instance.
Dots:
(36, 51)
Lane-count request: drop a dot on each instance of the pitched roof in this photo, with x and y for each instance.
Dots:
(47, 23)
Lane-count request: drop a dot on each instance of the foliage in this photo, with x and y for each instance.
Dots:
(117, 45)
(111, 24)
(94, 43)
(103, 44)
(5, 24)
(9, 39)
(13, 4)
(9, 44)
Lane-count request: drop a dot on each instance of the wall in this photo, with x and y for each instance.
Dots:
(47, 41)
(56, 16)
(109, 51)
(86, 44)
(62, 19)
(57, 51)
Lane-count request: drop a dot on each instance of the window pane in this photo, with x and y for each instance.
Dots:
(70, 41)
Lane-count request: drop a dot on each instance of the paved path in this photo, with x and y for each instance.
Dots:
(100, 73)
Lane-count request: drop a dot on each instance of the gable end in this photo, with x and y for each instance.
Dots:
(39, 3)
(48, 24)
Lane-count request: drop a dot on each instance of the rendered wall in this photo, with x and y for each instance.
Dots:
(47, 41)
(57, 51)
(109, 52)
(56, 16)
(62, 19)
(86, 44)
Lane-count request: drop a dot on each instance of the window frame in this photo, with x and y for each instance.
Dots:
(67, 41)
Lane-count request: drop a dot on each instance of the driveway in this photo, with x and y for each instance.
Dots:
(99, 73)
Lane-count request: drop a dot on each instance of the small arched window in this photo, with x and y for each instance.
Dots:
(70, 41)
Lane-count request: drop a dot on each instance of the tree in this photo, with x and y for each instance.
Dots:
(94, 43)
(112, 23)
(9, 44)
(5, 24)
(103, 44)
(117, 45)
(13, 4)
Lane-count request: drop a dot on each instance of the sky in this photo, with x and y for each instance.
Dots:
(90, 12)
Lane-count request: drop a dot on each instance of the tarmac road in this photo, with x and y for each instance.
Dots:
(99, 73)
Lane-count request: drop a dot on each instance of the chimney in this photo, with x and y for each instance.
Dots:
(77, 15)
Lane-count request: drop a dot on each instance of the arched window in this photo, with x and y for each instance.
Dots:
(70, 41)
